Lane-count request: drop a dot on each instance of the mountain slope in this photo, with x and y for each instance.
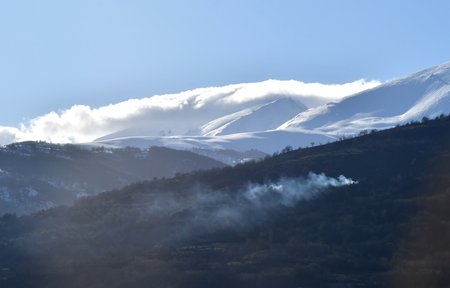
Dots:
(423, 94)
(426, 93)
(186, 112)
(36, 176)
(388, 230)
(266, 117)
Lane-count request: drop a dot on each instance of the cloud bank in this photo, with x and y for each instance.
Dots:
(177, 114)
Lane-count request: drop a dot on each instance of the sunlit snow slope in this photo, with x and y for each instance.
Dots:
(426, 93)
(283, 121)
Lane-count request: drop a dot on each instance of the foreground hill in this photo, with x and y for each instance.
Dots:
(243, 227)
(37, 175)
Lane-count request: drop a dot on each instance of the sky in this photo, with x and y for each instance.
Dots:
(55, 54)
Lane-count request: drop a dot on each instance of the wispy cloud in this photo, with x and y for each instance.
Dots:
(177, 113)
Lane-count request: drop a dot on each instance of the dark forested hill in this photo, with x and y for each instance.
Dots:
(274, 223)
(38, 175)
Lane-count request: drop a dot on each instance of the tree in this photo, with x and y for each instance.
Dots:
(286, 149)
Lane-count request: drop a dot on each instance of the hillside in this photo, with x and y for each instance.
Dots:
(38, 175)
(388, 227)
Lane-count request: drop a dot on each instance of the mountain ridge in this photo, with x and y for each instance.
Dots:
(422, 94)
(37, 175)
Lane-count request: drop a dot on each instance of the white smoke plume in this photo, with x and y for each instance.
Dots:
(288, 191)
(202, 210)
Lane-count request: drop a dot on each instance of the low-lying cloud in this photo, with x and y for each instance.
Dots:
(176, 114)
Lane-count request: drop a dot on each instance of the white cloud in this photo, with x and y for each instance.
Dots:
(9, 135)
(179, 113)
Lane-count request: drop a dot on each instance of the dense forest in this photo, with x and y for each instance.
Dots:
(391, 228)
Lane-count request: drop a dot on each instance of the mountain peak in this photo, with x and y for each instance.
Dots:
(424, 93)
(264, 117)
(441, 71)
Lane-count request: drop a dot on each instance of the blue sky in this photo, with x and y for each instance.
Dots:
(55, 54)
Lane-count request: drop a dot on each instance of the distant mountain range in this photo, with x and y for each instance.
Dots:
(285, 120)
(37, 175)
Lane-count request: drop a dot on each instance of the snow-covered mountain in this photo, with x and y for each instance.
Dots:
(426, 93)
(284, 121)
(260, 118)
